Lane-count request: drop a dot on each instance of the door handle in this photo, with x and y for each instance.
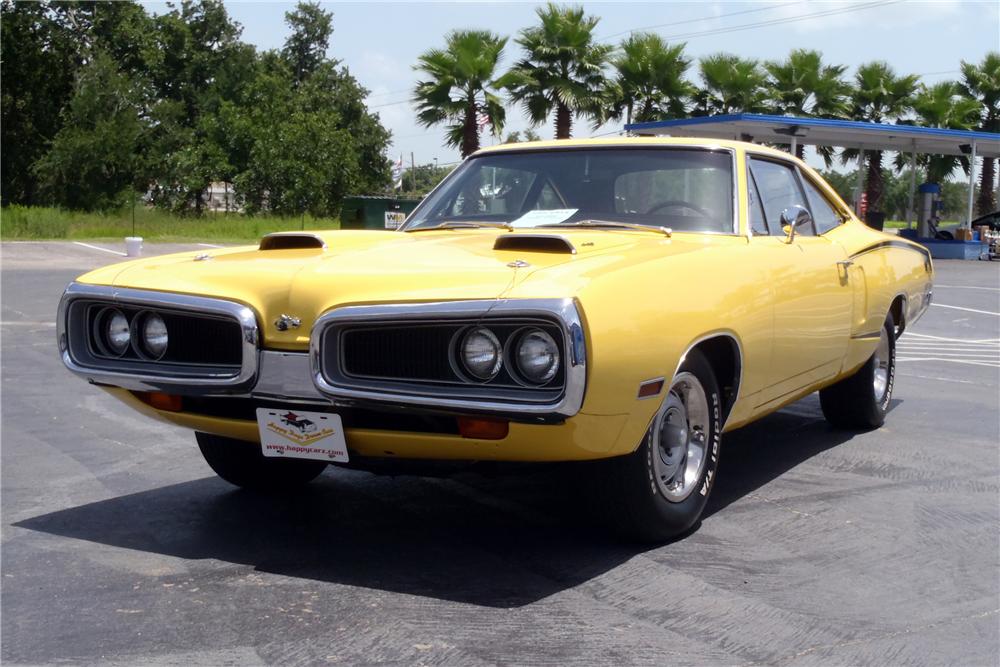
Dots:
(845, 263)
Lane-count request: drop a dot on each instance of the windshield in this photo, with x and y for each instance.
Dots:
(683, 189)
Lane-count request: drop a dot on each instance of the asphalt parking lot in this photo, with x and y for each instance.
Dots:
(119, 546)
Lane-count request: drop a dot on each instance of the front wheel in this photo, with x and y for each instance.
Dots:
(242, 464)
(661, 489)
(862, 400)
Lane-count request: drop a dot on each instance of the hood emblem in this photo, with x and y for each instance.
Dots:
(518, 264)
(286, 322)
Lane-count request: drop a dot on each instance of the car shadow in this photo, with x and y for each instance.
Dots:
(500, 541)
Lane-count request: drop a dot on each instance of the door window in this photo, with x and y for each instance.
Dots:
(779, 189)
(824, 215)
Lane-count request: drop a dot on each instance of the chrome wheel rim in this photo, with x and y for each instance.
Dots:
(680, 438)
(880, 361)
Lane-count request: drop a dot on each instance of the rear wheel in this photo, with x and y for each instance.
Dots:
(862, 400)
(241, 463)
(660, 490)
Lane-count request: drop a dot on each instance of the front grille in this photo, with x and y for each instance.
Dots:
(414, 352)
(199, 344)
(192, 339)
(428, 353)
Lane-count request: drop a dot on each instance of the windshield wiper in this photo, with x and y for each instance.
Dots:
(464, 225)
(666, 231)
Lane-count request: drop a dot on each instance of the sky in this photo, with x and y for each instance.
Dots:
(380, 42)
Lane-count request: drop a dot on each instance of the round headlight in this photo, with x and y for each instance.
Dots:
(154, 336)
(481, 354)
(537, 356)
(116, 331)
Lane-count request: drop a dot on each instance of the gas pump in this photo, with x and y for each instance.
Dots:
(929, 207)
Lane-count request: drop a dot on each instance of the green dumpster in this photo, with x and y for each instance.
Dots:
(363, 212)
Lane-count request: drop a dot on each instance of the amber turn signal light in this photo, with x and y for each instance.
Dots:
(161, 401)
(483, 429)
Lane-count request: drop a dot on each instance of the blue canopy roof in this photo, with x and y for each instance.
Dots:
(827, 132)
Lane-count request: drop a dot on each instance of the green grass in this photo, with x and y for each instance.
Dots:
(37, 223)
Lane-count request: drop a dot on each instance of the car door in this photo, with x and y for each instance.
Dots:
(812, 298)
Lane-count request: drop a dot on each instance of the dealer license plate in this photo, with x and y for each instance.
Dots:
(297, 434)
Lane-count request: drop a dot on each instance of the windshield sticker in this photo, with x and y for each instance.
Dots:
(550, 217)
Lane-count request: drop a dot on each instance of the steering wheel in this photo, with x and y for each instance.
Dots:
(677, 202)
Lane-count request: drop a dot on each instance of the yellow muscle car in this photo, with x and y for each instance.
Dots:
(623, 300)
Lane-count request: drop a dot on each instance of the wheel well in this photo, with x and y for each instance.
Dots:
(898, 312)
(723, 355)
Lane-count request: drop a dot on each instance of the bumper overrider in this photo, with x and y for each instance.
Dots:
(327, 374)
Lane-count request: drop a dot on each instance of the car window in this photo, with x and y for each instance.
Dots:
(687, 189)
(758, 225)
(494, 191)
(779, 189)
(824, 215)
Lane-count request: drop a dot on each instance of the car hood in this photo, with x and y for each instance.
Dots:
(368, 267)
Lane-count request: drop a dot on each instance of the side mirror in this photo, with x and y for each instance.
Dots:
(793, 217)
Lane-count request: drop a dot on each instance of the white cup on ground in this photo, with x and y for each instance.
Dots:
(133, 246)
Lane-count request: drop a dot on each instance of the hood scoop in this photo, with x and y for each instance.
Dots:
(549, 243)
(292, 241)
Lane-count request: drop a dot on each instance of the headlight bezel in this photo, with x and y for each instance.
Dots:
(513, 354)
(140, 337)
(459, 350)
(102, 334)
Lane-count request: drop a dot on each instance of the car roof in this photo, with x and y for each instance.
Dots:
(633, 142)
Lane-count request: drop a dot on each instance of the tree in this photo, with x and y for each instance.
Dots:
(305, 49)
(943, 105)
(422, 179)
(203, 63)
(526, 135)
(460, 88)
(40, 58)
(982, 83)
(562, 69)
(802, 85)
(878, 96)
(650, 79)
(94, 158)
(730, 84)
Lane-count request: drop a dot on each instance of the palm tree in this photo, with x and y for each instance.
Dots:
(878, 96)
(802, 85)
(982, 83)
(943, 105)
(460, 88)
(650, 82)
(731, 85)
(562, 69)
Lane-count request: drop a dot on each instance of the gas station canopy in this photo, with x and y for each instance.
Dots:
(827, 132)
(795, 130)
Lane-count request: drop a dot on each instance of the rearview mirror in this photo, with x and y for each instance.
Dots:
(793, 217)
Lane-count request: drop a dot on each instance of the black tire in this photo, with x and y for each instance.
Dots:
(854, 402)
(242, 464)
(637, 503)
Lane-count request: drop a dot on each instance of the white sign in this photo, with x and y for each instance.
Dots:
(550, 217)
(393, 219)
(295, 434)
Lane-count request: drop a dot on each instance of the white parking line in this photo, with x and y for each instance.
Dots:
(910, 334)
(994, 289)
(967, 362)
(969, 310)
(208, 245)
(94, 247)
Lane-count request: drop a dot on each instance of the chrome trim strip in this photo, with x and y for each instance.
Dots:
(152, 381)
(286, 375)
(565, 311)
